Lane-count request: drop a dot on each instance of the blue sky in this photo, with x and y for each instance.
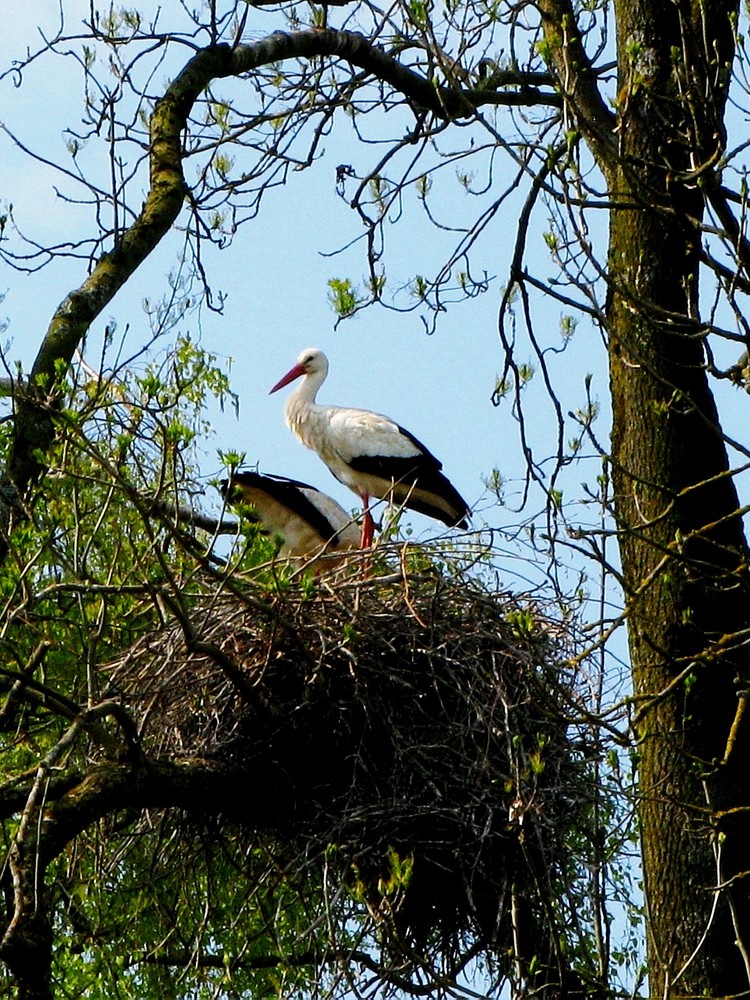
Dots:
(275, 278)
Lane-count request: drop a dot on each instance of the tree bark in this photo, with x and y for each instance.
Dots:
(684, 563)
(683, 550)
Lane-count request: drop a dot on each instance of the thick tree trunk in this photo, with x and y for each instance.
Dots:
(683, 550)
(684, 562)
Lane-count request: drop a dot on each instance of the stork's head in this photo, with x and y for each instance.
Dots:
(310, 362)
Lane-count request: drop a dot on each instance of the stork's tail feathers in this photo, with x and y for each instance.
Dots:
(435, 496)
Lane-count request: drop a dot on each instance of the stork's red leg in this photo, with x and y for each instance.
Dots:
(368, 525)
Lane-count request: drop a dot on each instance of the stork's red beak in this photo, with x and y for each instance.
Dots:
(289, 377)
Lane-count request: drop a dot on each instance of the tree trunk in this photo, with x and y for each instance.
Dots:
(26, 945)
(683, 550)
(686, 595)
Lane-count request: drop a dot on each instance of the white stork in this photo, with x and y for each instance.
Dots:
(368, 452)
(310, 522)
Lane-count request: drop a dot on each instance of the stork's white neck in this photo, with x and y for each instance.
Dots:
(307, 390)
(303, 414)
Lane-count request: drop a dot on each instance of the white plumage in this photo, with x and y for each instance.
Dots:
(309, 522)
(368, 452)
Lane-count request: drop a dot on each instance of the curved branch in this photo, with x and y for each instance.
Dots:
(424, 94)
(33, 428)
(34, 425)
(187, 783)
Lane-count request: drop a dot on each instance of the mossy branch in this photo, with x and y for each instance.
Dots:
(33, 429)
(34, 426)
(566, 56)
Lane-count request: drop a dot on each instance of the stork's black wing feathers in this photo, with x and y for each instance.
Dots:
(400, 470)
(426, 455)
(287, 492)
(422, 471)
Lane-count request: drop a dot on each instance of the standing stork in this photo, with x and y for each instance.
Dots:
(310, 522)
(368, 452)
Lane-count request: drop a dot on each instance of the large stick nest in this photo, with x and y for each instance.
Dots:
(411, 717)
